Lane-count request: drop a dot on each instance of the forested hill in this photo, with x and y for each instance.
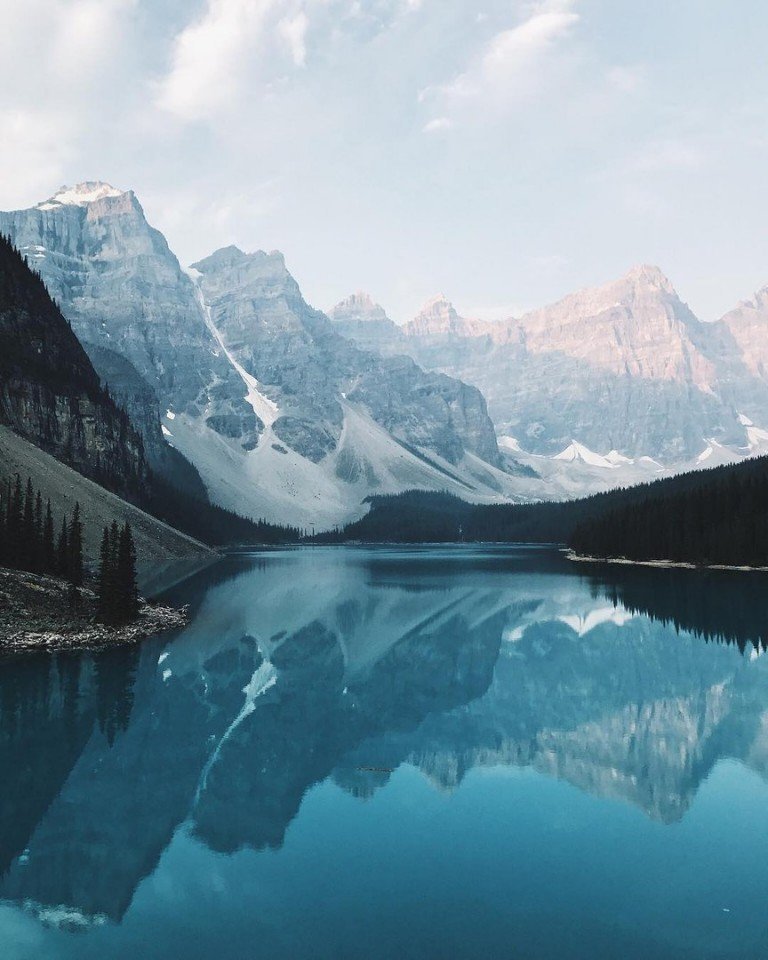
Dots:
(713, 517)
(719, 516)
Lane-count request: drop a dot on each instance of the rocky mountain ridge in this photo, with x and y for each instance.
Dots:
(227, 364)
(625, 367)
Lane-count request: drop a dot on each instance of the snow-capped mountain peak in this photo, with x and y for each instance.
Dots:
(80, 194)
(577, 451)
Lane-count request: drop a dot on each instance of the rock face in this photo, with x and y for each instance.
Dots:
(337, 422)
(49, 391)
(625, 367)
(132, 307)
(227, 368)
(358, 318)
(307, 368)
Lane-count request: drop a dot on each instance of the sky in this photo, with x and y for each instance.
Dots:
(502, 152)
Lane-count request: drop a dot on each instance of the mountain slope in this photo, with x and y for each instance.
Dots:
(49, 392)
(156, 542)
(335, 422)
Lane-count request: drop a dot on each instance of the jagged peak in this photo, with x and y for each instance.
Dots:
(81, 194)
(648, 273)
(439, 300)
(358, 306)
(360, 298)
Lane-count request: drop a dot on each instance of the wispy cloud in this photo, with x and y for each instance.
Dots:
(510, 66)
(236, 47)
(210, 55)
(438, 124)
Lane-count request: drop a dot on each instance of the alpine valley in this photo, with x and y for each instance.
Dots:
(244, 394)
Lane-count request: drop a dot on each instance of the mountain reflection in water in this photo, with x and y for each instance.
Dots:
(303, 666)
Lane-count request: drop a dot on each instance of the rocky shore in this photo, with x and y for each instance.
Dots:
(35, 615)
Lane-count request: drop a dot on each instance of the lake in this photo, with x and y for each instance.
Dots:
(426, 753)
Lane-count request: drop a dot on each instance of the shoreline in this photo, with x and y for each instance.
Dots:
(35, 616)
(662, 564)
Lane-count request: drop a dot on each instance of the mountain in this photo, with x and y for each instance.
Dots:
(134, 310)
(336, 422)
(625, 369)
(358, 318)
(229, 367)
(49, 391)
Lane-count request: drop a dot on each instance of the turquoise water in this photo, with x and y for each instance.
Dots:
(428, 753)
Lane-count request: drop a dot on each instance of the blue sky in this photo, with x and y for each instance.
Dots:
(503, 152)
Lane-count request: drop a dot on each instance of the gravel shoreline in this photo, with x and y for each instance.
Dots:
(35, 615)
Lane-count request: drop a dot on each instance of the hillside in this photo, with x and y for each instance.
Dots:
(156, 542)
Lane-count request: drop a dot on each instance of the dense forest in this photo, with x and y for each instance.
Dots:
(721, 518)
(707, 516)
(208, 523)
(31, 540)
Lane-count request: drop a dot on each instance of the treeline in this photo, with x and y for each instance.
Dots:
(720, 519)
(30, 541)
(706, 516)
(209, 523)
(424, 517)
(28, 537)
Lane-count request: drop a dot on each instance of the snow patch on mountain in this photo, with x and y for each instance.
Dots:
(265, 409)
(276, 483)
(618, 458)
(80, 195)
(577, 451)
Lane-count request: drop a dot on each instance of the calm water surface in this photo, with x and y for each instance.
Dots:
(428, 753)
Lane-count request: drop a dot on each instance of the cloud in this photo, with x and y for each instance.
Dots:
(35, 149)
(512, 61)
(294, 32)
(209, 57)
(237, 47)
(61, 62)
(438, 124)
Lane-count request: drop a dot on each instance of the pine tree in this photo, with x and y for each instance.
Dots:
(75, 548)
(15, 498)
(48, 545)
(106, 576)
(37, 565)
(62, 551)
(127, 591)
(28, 529)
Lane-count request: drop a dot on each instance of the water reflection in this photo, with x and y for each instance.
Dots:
(303, 666)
